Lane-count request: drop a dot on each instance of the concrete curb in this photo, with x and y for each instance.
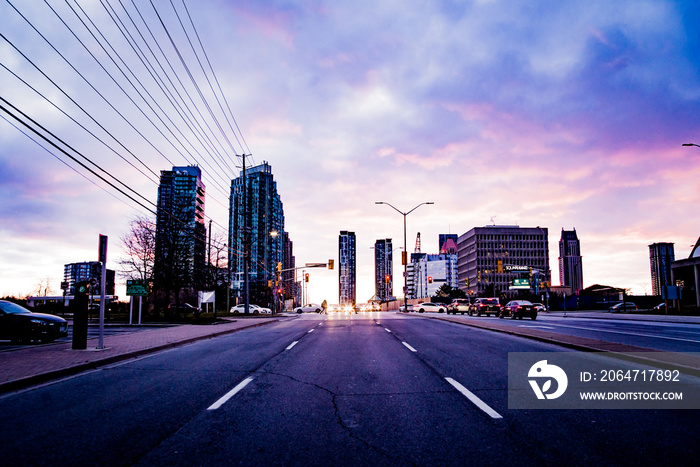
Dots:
(47, 376)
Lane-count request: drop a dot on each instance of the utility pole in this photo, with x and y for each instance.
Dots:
(246, 241)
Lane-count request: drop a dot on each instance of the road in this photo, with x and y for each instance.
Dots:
(339, 389)
(658, 335)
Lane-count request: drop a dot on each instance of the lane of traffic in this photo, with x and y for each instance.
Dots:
(117, 414)
(478, 359)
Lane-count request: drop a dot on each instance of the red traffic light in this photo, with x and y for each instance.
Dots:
(387, 278)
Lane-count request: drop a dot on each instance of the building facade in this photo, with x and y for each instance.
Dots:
(383, 270)
(255, 206)
(661, 255)
(570, 261)
(447, 244)
(347, 287)
(430, 272)
(180, 231)
(491, 258)
(78, 272)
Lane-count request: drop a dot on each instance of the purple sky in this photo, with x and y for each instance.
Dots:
(562, 114)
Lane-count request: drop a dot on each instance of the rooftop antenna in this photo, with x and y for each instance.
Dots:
(493, 220)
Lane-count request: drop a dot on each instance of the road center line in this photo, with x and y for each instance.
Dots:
(474, 399)
(386, 330)
(291, 345)
(310, 330)
(409, 347)
(230, 394)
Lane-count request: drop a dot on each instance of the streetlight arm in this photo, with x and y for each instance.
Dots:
(691, 144)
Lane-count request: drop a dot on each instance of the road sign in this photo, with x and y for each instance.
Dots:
(315, 265)
(136, 287)
(520, 284)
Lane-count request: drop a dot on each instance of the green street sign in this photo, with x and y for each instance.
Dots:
(520, 284)
(136, 287)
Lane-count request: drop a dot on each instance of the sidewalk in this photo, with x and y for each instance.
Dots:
(42, 363)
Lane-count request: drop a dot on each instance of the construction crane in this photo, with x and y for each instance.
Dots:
(417, 250)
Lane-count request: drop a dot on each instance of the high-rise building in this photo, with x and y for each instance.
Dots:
(661, 255)
(78, 272)
(289, 279)
(257, 206)
(346, 268)
(180, 231)
(491, 258)
(447, 244)
(570, 261)
(383, 269)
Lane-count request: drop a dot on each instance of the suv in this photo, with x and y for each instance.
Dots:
(458, 305)
(487, 306)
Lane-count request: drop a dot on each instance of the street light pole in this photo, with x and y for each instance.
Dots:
(405, 251)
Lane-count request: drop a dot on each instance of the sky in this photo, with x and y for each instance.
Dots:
(561, 115)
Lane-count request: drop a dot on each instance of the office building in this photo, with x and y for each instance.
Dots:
(255, 205)
(383, 270)
(430, 272)
(491, 258)
(570, 261)
(346, 269)
(180, 231)
(661, 255)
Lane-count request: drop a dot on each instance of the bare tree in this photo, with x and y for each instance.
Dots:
(140, 246)
(43, 288)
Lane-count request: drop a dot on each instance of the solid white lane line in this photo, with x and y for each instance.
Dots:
(409, 347)
(386, 330)
(291, 345)
(534, 326)
(230, 394)
(474, 399)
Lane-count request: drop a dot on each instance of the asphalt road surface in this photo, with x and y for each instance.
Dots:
(658, 335)
(339, 389)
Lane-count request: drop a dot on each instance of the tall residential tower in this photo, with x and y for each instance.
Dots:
(383, 270)
(264, 220)
(346, 268)
(570, 261)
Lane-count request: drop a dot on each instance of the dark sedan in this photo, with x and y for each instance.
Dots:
(519, 309)
(21, 325)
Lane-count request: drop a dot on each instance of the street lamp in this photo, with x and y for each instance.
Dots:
(405, 251)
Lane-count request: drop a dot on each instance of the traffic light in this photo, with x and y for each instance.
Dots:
(279, 266)
(387, 278)
(330, 264)
(478, 276)
(430, 279)
(500, 266)
(466, 282)
(404, 258)
(306, 277)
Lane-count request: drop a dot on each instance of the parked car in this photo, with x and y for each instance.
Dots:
(183, 309)
(540, 307)
(623, 307)
(519, 309)
(21, 325)
(406, 308)
(485, 306)
(309, 308)
(427, 306)
(252, 308)
(458, 305)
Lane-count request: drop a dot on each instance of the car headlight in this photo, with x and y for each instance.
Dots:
(39, 322)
